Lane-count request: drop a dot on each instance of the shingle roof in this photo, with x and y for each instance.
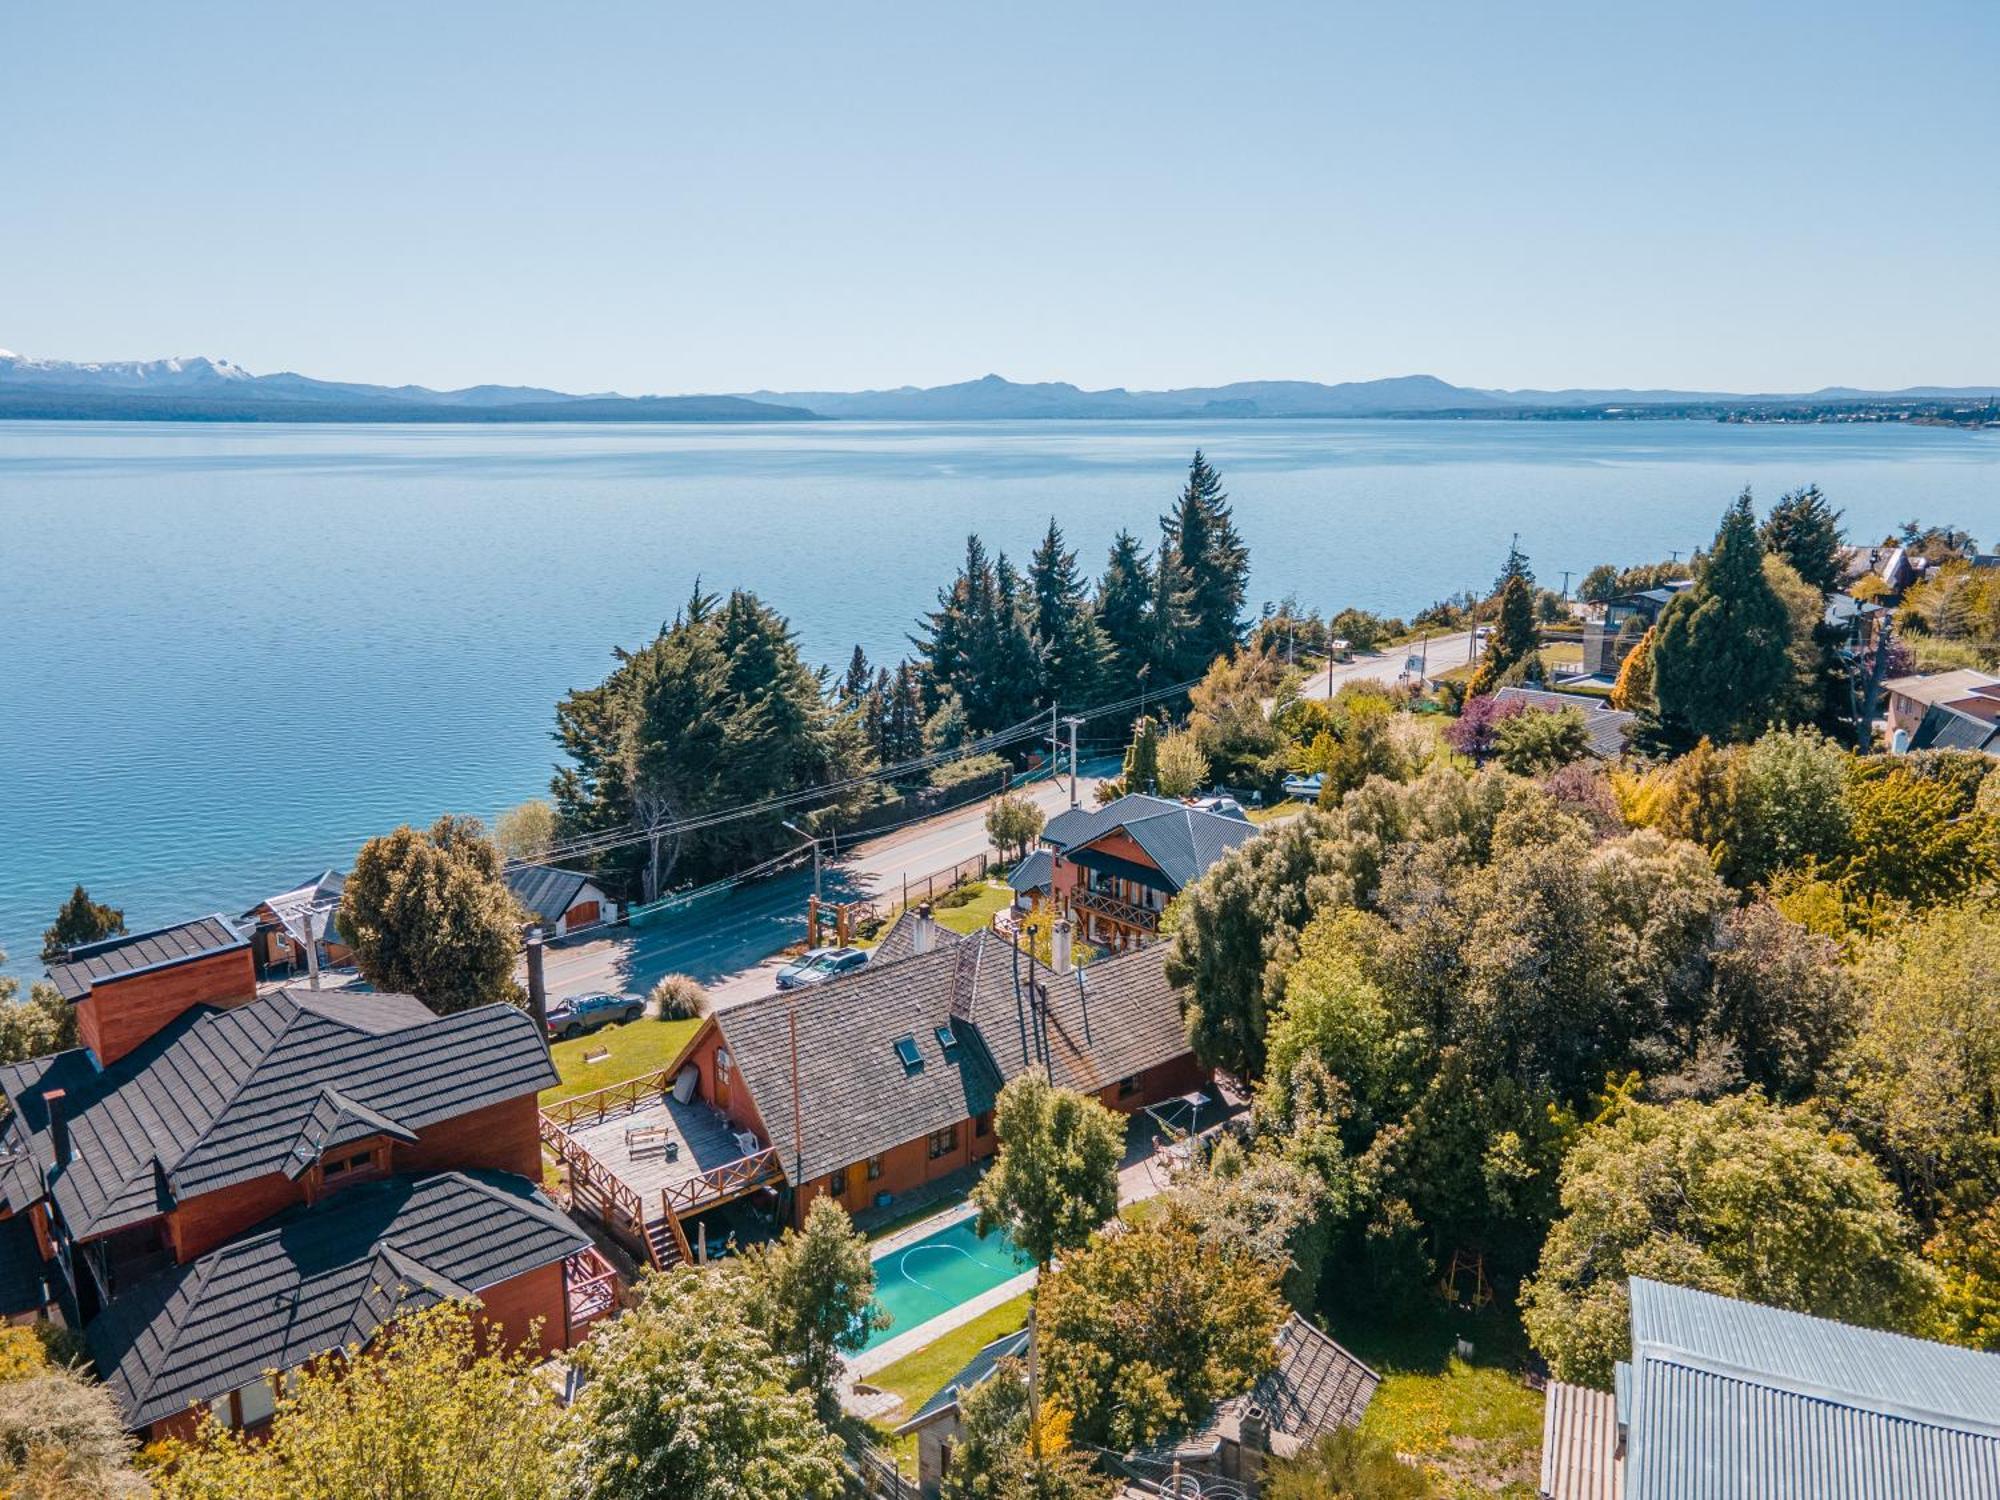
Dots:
(900, 941)
(137, 952)
(545, 890)
(1940, 687)
(1608, 728)
(1181, 841)
(222, 1096)
(977, 1370)
(1731, 1401)
(318, 1279)
(1580, 1445)
(855, 1097)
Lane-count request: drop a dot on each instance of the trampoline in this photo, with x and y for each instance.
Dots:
(937, 1273)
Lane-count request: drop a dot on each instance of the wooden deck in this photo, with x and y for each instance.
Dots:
(706, 1142)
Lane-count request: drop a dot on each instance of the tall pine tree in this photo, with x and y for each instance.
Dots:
(1070, 647)
(1805, 531)
(1201, 534)
(1721, 656)
(1124, 608)
(858, 678)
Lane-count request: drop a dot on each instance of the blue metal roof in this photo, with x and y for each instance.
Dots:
(1733, 1401)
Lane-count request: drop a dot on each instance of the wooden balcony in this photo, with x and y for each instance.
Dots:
(1124, 913)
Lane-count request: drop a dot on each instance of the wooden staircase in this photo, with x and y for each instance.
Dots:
(666, 1241)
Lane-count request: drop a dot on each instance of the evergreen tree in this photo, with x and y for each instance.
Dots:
(858, 679)
(1201, 535)
(1721, 648)
(978, 643)
(903, 719)
(1068, 642)
(874, 712)
(1516, 566)
(1805, 531)
(1124, 606)
(1169, 625)
(1011, 672)
(1142, 757)
(80, 921)
(1514, 639)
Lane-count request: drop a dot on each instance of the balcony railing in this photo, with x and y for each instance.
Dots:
(719, 1184)
(1124, 913)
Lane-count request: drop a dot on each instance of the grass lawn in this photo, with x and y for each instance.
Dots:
(1474, 1422)
(636, 1047)
(1284, 809)
(993, 896)
(918, 1376)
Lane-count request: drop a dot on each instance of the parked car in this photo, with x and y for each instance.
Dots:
(819, 966)
(576, 1014)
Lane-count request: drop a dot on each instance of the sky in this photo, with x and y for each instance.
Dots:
(658, 198)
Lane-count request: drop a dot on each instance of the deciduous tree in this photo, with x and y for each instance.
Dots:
(427, 914)
(1350, 1463)
(38, 1026)
(1537, 742)
(1055, 1179)
(527, 831)
(1183, 767)
(810, 1292)
(1013, 823)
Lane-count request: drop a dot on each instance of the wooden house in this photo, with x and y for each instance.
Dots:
(279, 927)
(218, 1185)
(563, 901)
(1116, 867)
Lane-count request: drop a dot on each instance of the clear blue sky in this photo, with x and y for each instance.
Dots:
(676, 197)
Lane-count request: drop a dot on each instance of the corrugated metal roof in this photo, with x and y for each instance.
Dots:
(977, 1369)
(1580, 1445)
(1035, 873)
(139, 952)
(1182, 841)
(1733, 1401)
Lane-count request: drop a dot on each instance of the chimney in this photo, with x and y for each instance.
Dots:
(1059, 942)
(52, 1101)
(538, 990)
(1254, 1431)
(925, 937)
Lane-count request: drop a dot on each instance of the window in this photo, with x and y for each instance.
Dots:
(982, 1125)
(1128, 1086)
(946, 1037)
(874, 1168)
(722, 1067)
(944, 1142)
(906, 1049)
(256, 1402)
(837, 1184)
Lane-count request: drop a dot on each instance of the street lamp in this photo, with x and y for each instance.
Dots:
(811, 839)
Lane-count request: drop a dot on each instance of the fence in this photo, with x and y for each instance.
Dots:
(871, 1474)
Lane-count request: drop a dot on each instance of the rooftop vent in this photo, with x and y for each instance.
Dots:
(906, 1050)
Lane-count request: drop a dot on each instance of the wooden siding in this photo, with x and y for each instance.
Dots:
(118, 1015)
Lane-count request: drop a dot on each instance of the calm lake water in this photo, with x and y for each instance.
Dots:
(231, 653)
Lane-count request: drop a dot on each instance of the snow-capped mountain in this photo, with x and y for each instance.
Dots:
(198, 373)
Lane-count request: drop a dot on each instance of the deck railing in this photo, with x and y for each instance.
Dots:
(594, 1185)
(590, 1286)
(619, 1098)
(1122, 912)
(718, 1184)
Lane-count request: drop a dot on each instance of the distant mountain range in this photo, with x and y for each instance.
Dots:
(202, 389)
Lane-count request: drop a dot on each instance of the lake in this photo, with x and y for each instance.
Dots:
(234, 652)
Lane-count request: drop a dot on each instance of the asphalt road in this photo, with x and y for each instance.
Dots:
(729, 942)
(1439, 654)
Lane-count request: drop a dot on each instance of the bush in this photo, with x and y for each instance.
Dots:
(972, 768)
(679, 998)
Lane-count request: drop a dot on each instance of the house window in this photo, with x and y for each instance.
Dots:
(722, 1067)
(906, 1053)
(874, 1168)
(1128, 1086)
(982, 1125)
(256, 1402)
(340, 1169)
(837, 1184)
(944, 1142)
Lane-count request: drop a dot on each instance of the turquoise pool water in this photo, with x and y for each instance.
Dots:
(937, 1273)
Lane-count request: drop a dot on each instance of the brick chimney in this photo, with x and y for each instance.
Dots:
(538, 990)
(53, 1100)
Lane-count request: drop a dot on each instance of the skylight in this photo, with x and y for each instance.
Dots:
(906, 1049)
(947, 1038)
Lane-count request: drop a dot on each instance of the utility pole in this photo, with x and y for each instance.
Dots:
(1034, 1391)
(1072, 721)
(1566, 573)
(312, 950)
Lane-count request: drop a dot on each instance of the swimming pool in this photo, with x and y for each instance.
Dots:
(937, 1273)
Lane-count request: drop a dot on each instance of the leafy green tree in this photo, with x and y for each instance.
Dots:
(1201, 535)
(810, 1292)
(1598, 585)
(1055, 1179)
(1814, 672)
(1348, 1464)
(1124, 608)
(527, 831)
(80, 921)
(1234, 932)
(1071, 647)
(1966, 1251)
(39, 1026)
(435, 1409)
(1228, 714)
(1142, 1333)
(1537, 742)
(427, 914)
(1781, 999)
(1920, 1082)
(1791, 806)
(1720, 650)
(1915, 838)
(1012, 823)
(997, 1457)
(683, 1396)
(1267, 1205)
(1738, 1197)
(1183, 767)
(1514, 640)
(1805, 531)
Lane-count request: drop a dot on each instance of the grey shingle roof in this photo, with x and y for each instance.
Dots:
(855, 1097)
(319, 1279)
(1731, 1401)
(545, 890)
(900, 940)
(136, 952)
(977, 1369)
(1182, 841)
(221, 1096)
(1609, 728)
